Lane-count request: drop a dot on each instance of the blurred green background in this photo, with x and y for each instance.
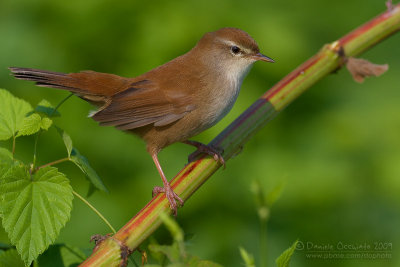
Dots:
(337, 148)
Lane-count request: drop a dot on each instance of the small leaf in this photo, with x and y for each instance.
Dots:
(34, 208)
(45, 107)
(275, 194)
(247, 258)
(30, 125)
(83, 164)
(46, 123)
(361, 68)
(12, 112)
(67, 140)
(284, 259)
(91, 190)
(10, 258)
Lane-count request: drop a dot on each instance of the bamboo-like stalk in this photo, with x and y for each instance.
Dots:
(330, 58)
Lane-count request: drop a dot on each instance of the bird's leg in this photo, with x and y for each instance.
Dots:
(167, 190)
(202, 148)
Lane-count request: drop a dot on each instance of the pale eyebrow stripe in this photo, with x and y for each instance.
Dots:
(230, 43)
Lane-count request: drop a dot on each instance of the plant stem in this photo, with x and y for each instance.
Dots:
(13, 146)
(263, 243)
(59, 104)
(53, 163)
(231, 140)
(95, 210)
(37, 135)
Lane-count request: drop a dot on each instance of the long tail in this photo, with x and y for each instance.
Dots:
(85, 84)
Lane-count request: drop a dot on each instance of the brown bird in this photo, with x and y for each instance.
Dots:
(170, 103)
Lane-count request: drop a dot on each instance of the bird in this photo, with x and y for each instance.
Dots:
(170, 103)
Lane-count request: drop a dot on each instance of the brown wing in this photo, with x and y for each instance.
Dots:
(144, 103)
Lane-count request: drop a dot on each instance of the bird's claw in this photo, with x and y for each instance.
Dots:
(170, 195)
(214, 152)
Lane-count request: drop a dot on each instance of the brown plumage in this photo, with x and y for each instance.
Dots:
(170, 103)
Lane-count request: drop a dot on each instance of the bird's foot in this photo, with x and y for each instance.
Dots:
(171, 196)
(213, 151)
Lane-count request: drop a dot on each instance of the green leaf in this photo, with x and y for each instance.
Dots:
(6, 162)
(85, 167)
(33, 123)
(247, 258)
(30, 125)
(67, 140)
(284, 259)
(5, 156)
(275, 194)
(61, 255)
(46, 108)
(12, 113)
(10, 258)
(34, 208)
(46, 123)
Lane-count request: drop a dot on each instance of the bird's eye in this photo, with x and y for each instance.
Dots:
(235, 50)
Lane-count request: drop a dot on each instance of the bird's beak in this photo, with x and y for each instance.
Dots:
(262, 57)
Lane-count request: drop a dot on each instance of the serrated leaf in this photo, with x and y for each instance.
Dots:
(45, 107)
(61, 255)
(284, 259)
(30, 125)
(10, 258)
(6, 162)
(35, 208)
(83, 164)
(33, 123)
(46, 123)
(247, 258)
(12, 112)
(67, 140)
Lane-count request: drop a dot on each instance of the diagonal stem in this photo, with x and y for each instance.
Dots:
(95, 211)
(330, 58)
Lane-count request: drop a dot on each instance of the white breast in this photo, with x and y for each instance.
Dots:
(226, 92)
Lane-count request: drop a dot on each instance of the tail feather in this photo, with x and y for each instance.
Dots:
(85, 84)
(45, 78)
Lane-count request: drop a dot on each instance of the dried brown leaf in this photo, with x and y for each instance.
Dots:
(361, 68)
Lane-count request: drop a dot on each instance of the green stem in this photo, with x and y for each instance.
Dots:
(95, 210)
(53, 163)
(263, 243)
(13, 146)
(59, 104)
(35, 149)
